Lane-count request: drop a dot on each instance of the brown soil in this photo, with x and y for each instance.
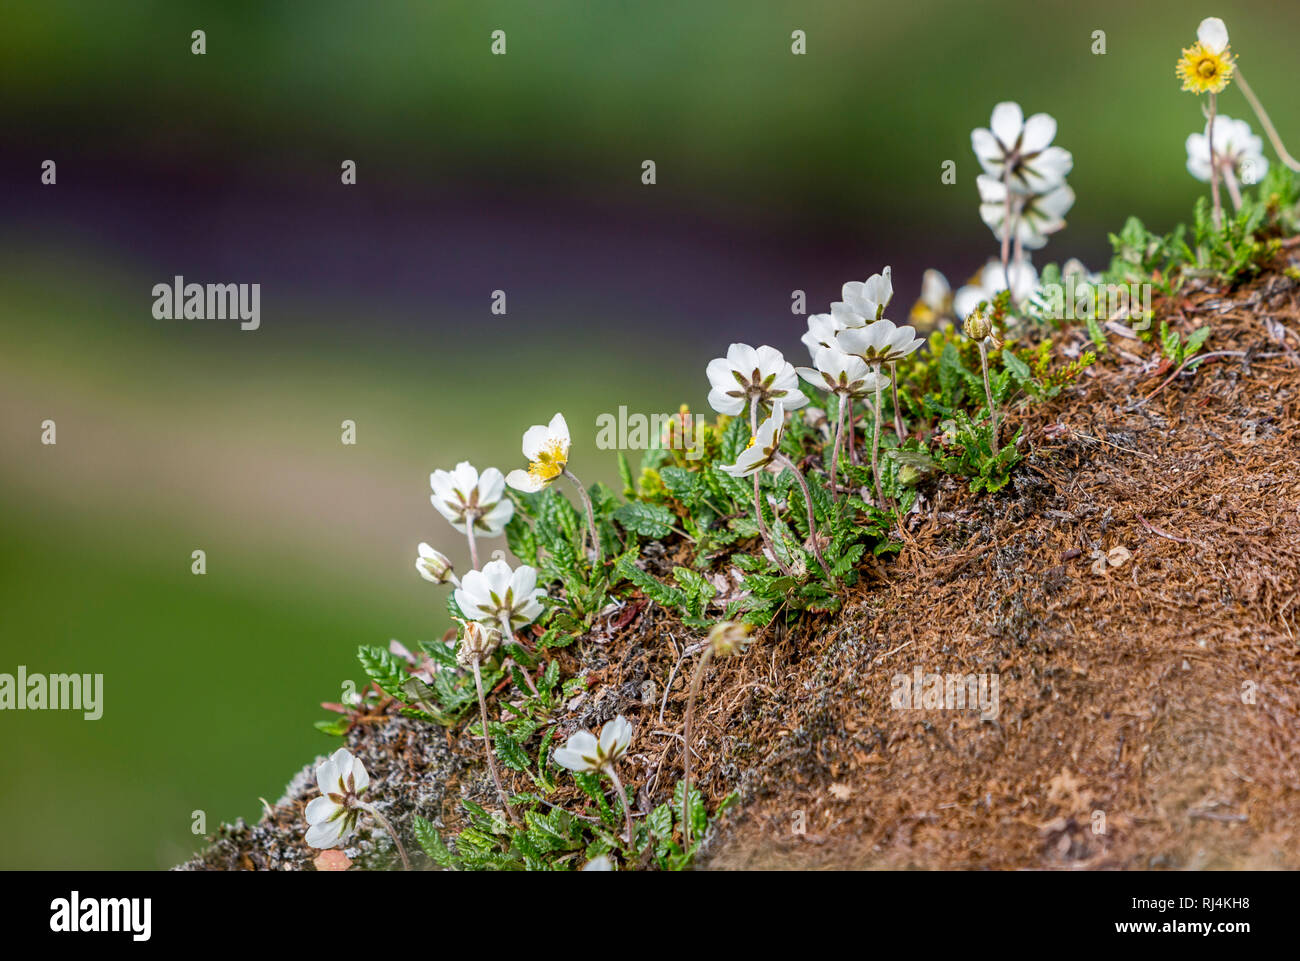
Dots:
(1148, 712)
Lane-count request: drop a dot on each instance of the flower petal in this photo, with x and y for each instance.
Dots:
(1007, 122)
(521, 480)
(1213, 34)
(535, 439)
(1039, 131)
(321, 809)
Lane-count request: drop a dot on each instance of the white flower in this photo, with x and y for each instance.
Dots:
(878, 343)
(583, 752)
(991, 280)
(935, 301)
(547, 448)
(762, 447)
(746, 373)
(433, 565)
(1213, 34)
(332, 817)
(1236, 147)
(1020, 150)
(601, 863)
(822, 329)
(460, 493)
(865, 300)
(841, 373)
(1036, 215)
(497, 594)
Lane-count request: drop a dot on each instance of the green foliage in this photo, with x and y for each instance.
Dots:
(951, 395)
(652, 521)
(1178, 350)
(967, 450)
(1247, 240)
(553, 839)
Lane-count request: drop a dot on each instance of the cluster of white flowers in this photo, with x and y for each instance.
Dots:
(496, 599)
(1023, 198)
(850, 347)
(1023, 193)
(476, 505)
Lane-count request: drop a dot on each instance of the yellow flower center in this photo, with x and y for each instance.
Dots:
(550, 461)
(1204, 71)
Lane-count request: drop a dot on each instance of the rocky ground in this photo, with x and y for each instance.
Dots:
(1134, 591)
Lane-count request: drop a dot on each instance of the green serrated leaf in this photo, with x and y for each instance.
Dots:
(647, 520)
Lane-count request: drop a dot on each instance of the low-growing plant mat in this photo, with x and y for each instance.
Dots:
(1134, 591)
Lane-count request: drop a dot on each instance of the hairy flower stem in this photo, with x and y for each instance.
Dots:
(696, 680)
(1230, 181)
(899, 428)
(471, 518)
(1006, 225)
(812, 520)
(622, 796)
(591, 517)
(384, 823)
(875, 445)
(762, 529)
(1267, 124)
(853, 435)
(487, 746)
(508, 634)
(1214, 167)
(988, 394)
(839, 437)
(758, 497)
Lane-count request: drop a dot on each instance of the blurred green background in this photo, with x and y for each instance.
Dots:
(475, 173)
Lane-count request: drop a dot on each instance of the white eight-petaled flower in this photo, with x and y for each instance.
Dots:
(763, 446)
(547, 448)
(841, 373)
(879, 343)
(1237, 148)
(1019, 151)
(464, 493)
(863, 301)
(499, 595)
(332, 817)
(583, 752)
(748, 375)
(1036, 216)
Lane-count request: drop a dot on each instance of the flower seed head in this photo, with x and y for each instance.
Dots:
(477, 641)
(730, 637)
(977, 326)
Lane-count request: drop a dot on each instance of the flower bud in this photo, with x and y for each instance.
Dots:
(977, 326)
(433, 565)
(477, 641)
(730, 637)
